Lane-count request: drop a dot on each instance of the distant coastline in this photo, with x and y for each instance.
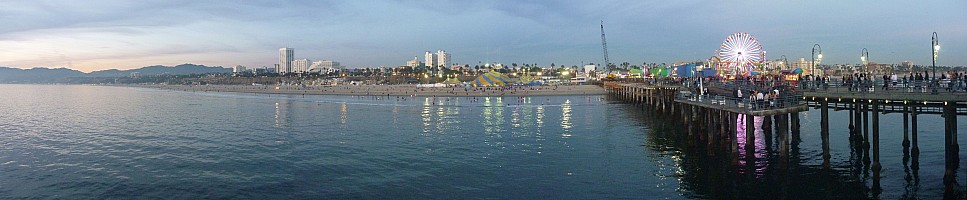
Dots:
(389, 90)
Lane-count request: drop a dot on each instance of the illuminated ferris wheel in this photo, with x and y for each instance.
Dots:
(741, 52)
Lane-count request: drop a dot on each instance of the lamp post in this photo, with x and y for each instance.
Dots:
(813, 57)
(865, 58)
(935, 44)
(784, 63)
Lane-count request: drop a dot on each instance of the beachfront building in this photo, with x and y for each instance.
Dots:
(414, 63)
(439, 59)
(431, 59)
(286, 56)
(443, 59)
(238, 69)
(300, 66)
(326, 67)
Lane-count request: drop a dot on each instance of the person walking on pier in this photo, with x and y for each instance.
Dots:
(759, 99)
(886, 80)
(893, 79)
(738, 97)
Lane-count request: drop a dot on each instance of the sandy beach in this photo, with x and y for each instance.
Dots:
(391, 90)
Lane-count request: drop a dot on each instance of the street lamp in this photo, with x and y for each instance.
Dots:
(865, 59)
(935, 43)
(814, 56)
(784, 63)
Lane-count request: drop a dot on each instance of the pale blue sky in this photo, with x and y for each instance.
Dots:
(123, 34)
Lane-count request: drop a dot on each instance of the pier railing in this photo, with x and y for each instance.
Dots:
(748, 104)
(958, 86)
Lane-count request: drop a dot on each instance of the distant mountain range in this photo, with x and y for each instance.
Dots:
(63, 75)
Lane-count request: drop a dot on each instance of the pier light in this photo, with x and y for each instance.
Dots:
(854, 100)
(813, 60)
(887, 101)
(905, 102)
(865, 58)
(945, 103)
(935, 43)
(924, 102)
(840, 99)
(871, 100)
(826, 99)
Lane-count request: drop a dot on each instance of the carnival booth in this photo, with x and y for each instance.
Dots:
(791, 75)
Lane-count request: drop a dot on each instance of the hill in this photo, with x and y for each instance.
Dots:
(64, 75)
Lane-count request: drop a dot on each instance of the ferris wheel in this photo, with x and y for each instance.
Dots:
(741, 52)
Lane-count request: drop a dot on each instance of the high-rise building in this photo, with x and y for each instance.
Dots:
(300, 66)
(286, 56)
(443, 59)
(431, 59)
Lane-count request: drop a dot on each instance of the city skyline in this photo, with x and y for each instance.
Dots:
(99, 35)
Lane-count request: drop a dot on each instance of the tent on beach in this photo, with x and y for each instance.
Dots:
(491, 79)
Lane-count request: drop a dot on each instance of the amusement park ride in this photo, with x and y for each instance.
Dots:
(740, 55)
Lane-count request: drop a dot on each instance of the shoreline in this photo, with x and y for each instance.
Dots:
(391, 90)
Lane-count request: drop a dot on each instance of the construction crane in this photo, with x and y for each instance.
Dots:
(604, 45)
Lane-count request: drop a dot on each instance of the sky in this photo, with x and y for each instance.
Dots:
(123, 34)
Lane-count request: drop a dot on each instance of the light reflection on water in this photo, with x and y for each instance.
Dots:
(760, 165)
(566, 119)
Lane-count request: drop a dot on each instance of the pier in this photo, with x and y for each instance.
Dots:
(718, 119)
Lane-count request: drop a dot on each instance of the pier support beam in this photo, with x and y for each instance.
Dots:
(711, 130)
(783, 133)
(858, 127)
(794, 120)
(906, 130)
(951, 147)
(866, 133)
(825, 133)
(876, 145)
(866, 125)
(750, 145)
(733, 140)
(767, 131)
(915, 149)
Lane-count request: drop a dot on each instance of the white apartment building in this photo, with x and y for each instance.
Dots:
(431, 59)
(443, 59)
(440, 59)
(286, 56)
(300, 66)
(326, 66)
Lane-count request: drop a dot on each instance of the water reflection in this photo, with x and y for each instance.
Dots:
(343, 115)
(759, 152)
(566, 119)
(281, 119)
(425, 116)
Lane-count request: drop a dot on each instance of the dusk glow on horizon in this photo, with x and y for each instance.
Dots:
(98, 35)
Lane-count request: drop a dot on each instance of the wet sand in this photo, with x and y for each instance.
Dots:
(391, 90)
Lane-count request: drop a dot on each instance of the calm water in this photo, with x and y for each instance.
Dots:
(111, 142)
